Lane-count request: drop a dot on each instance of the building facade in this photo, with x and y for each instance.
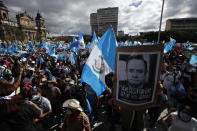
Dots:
(25, 26)
(103, 19)
(181, 24)
(121, 33)
(94, 22)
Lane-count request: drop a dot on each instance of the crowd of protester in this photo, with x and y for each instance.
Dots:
(40, 92)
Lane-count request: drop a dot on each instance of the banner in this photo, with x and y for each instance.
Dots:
(136, 75)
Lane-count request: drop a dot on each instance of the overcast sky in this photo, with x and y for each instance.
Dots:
(71, 16)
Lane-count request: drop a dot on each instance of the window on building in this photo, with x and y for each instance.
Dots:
(4, 16)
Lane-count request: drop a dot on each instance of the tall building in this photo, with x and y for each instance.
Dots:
(121, 33)
(25, 26)
(181, 24)
(94, 22)
(103, 19)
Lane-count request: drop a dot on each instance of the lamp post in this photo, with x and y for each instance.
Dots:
(160, 23)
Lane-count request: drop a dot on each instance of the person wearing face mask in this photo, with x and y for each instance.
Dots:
(182, 120)
(45, 106)
(41, 101)
(53, 93)
(75, 118)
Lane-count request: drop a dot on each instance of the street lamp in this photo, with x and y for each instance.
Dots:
(160, 23)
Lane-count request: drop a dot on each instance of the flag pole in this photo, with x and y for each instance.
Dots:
(160, 23)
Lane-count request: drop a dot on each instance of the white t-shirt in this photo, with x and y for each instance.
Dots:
(179, 125)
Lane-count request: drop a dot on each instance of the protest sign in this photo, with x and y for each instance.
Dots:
(136, 75)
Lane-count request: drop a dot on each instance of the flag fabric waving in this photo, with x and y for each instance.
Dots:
(74, 44)
(168, 46)
(81, 41)
(44, 44)
(94, 38)
(100, 62)
(52, 51)
(74, 39)
(93, 42)
(193, 60)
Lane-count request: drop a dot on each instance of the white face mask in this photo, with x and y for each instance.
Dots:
(50, 85)
(36, 97)
(185, 117)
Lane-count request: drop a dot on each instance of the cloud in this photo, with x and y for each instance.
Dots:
(136, 3)
(71, 16)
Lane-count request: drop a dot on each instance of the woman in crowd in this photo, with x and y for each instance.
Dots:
(75, 118)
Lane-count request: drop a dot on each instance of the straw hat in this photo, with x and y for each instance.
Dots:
(72, 104)
(68, 79)
(71, 82)
(52, 81)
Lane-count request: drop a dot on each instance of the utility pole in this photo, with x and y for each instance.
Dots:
(160, 23)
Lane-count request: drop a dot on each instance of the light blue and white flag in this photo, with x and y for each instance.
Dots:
(93, 42)
(74, 44)
(51, 46)
(130, 43)
(60, 56)
(121, 44)
(71, 58)
(59, 45)
(193, 60)
(94, 38)
(188, 46)
(74, 39)
(23, 54)
(88, 45)
(126, 43)
(41, 60)
(100, 62)
(74, 49)
(44, 44)
(31, 44)
(168, 46)
(52, 51)
(81, 41)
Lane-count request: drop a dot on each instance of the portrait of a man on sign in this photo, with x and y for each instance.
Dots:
(136, 77)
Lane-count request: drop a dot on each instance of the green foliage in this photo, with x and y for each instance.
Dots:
(178, 35)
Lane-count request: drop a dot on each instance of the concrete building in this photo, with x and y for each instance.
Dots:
(103, 19)
(94, 22)
(25, 25)
(121, 33)
(181, 24)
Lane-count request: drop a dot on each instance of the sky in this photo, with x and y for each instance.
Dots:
(71, 16)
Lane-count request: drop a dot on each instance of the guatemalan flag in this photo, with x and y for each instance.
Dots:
(168, 46)
(94, 41)
(100, 62)
(81, 41)
(193, 60)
